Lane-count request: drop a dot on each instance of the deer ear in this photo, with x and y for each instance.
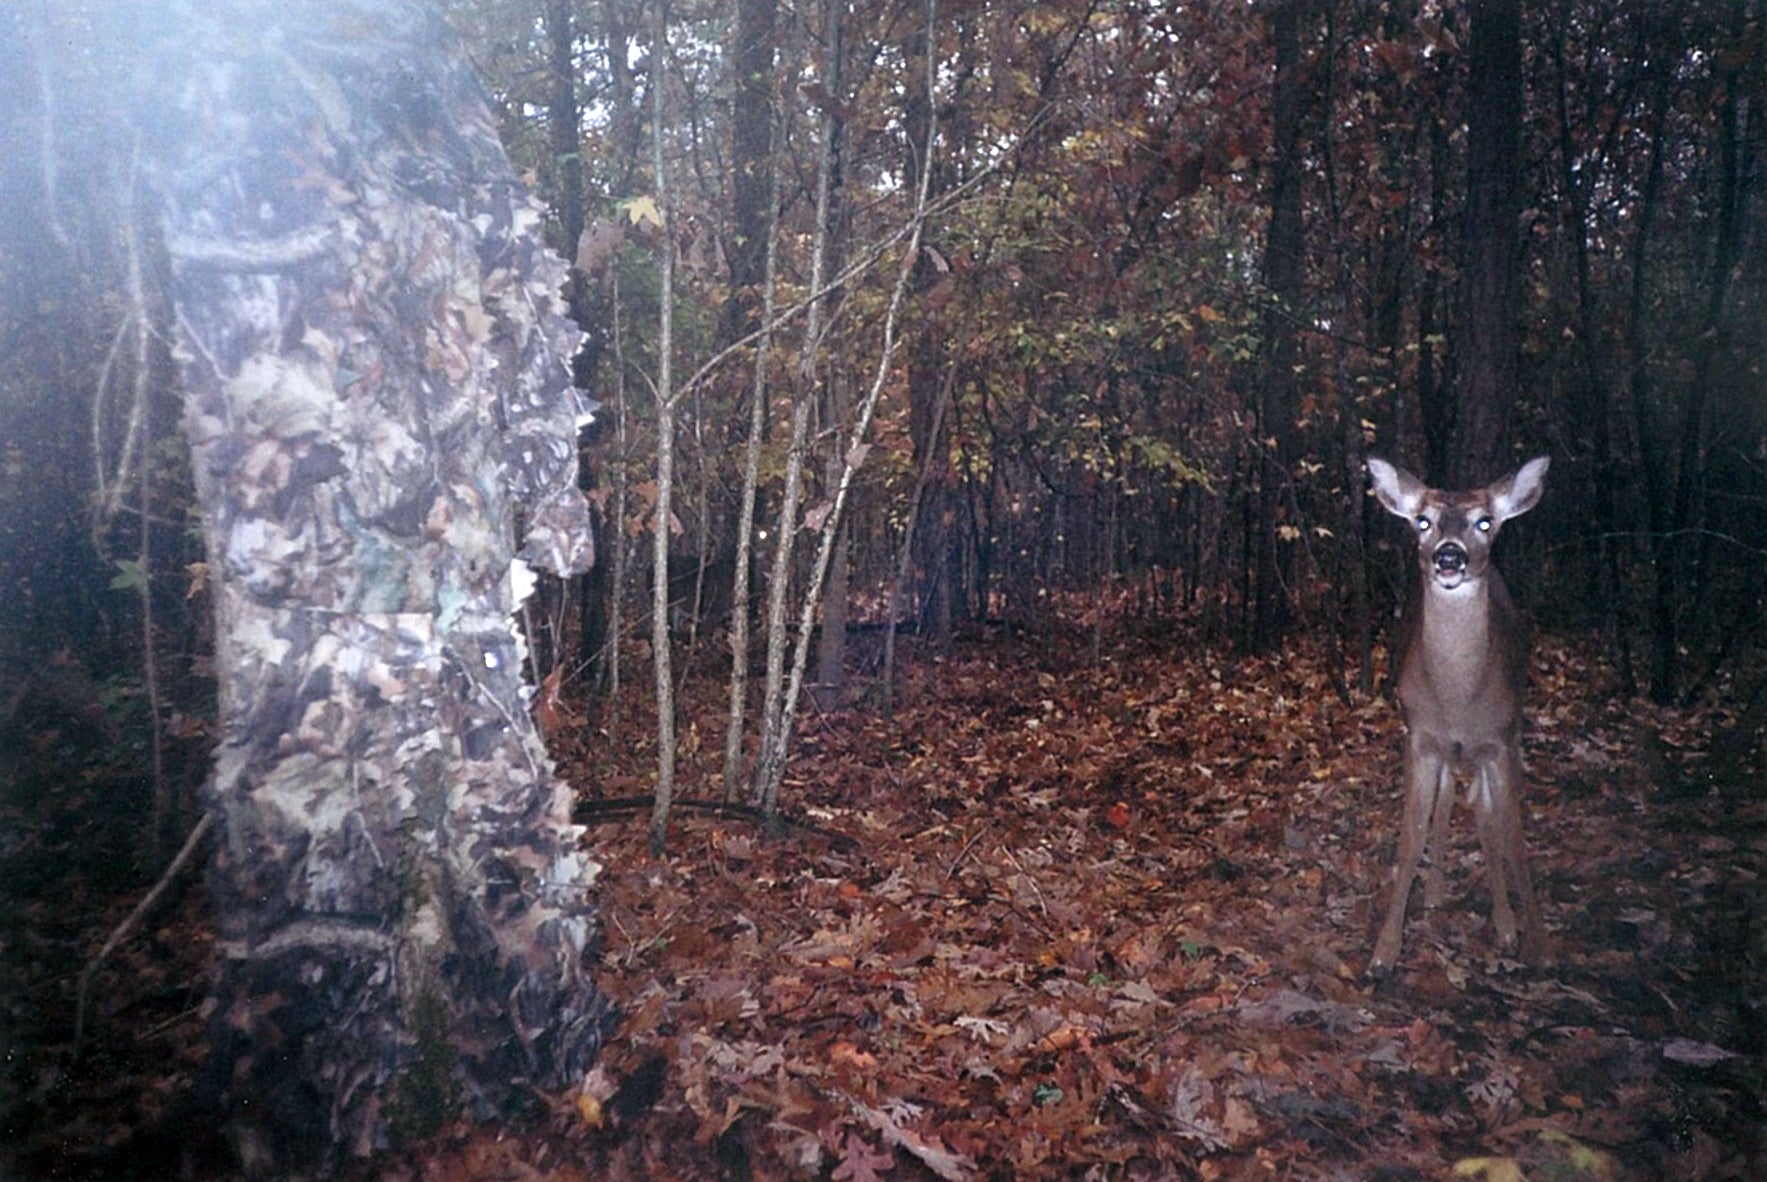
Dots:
(1520, 491)
(1400, 491)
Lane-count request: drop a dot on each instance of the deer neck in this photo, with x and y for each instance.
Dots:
(1454, 642)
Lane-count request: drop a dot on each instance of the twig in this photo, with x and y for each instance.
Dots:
(124, 929)
(590, 812)
(964, 852)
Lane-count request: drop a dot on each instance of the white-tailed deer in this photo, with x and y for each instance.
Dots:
(1463, 659)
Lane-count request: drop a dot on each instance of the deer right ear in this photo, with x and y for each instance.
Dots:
(1520, 491)
(1400, 491)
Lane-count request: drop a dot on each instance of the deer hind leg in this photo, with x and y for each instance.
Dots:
(1497, 803)
(1425, 783)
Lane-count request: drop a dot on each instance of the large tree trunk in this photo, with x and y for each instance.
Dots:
(381, 420)
(834, 404)
(1490, 286)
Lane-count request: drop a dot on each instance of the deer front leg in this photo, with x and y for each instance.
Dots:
(1424, 783)
(1436, 852)
(1497, 803)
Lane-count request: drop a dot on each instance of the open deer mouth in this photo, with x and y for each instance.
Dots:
(1450, 563)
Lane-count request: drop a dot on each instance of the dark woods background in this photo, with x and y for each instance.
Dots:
(1186, 268)
(1210, 260)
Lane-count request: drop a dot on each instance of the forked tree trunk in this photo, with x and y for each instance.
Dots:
(775, 720)
(381, 420)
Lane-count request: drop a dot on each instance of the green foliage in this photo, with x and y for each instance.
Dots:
(131, 576)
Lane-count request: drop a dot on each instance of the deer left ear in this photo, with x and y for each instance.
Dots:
(1400, 491)
(1520, 491)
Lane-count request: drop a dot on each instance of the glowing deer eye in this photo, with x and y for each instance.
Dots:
(1484, 524)
(1423, 525)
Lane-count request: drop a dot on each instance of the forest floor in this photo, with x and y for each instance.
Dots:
(1065, 918)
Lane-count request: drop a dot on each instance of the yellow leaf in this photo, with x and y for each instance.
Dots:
(643, 211)
(1586, 1162)
(1492, 1169)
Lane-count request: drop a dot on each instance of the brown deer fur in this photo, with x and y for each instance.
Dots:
(1462, 664)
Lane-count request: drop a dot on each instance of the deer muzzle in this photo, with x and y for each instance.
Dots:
(1450, 559)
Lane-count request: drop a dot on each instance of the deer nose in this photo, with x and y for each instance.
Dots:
(1450, 558)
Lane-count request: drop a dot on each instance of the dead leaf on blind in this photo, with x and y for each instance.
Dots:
(597, 244)
(476, 322)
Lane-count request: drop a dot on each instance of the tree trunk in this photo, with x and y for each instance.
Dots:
(380, 420)
(770, 762)
(830, 689)
(1653, 452)
(775, 724)
(1487, 341)
(562, 116)
(1591, 404)
(620, 562)
(853, 446)
(905, 554)
(742, 591)
(1282, 281)
(1435, 407)
(835, 406)
(751, 148)
(931, 361)
(665, 448)
(1684, 575)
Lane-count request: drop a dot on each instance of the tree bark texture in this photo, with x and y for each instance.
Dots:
(383, 429)
(1490, 277)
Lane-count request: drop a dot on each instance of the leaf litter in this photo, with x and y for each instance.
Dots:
(1088, 920)
(1109, 921)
